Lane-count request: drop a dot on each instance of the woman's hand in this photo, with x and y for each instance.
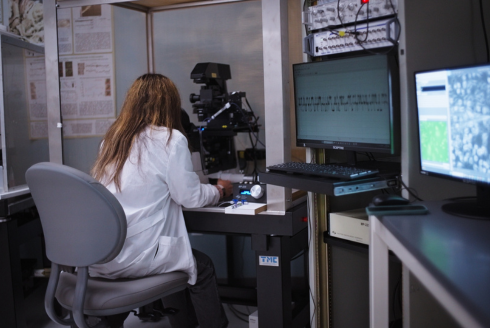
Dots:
(227, 187)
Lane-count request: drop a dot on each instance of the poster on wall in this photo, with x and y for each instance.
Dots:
(36, 94)
(92, 29)
(38, 130)
(86, 128)
(87, 92)
(26, 20)
(65, 32)
(87, 79)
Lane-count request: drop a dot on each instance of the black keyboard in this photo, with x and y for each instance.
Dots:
(331, 170)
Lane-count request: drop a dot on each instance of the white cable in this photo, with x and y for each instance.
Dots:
(228, 105)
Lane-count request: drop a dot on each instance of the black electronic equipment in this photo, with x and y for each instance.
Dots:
(214, 105)
(216, 148)
(453, 110)
(224, 117)
(349, 103)
(250, 192)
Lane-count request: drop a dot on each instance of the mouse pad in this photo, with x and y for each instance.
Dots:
(397, 210)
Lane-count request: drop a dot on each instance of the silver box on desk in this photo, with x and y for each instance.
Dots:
(351, 225)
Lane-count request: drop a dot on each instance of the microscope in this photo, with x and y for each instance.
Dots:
(214, 105)
(223, 117)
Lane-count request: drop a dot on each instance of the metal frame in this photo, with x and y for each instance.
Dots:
(55, 133)
(4, 181)
(276, 95)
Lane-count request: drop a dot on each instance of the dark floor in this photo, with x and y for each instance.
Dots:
(36, 316)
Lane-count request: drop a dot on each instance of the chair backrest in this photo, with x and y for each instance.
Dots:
(83, 223)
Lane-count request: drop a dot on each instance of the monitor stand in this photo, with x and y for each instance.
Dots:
(473, 209)
(351, 158)
(386, 169)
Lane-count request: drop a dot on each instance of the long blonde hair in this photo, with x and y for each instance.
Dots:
(152, 100)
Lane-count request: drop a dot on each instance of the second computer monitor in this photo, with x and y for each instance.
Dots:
(349, 104)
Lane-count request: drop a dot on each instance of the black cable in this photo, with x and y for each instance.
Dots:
(484, 29)
(394, 303)
(250, 126)
(256, 121)
(390, 48)
(397, 37)
(304, 9)
(356, 34)
(254, 172)
(297, 256)
(251, 132)
(409, 190)
(312, 160)
(203, 150)
(338, 14)
(236, 313)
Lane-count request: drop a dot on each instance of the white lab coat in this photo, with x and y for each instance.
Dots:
(152, 194)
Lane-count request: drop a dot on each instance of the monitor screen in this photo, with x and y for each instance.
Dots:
(454, 122)
(348, 103)
(453, 110)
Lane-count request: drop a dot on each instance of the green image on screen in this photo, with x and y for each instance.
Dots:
(433, 141)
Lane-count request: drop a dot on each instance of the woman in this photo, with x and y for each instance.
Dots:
(145, 162)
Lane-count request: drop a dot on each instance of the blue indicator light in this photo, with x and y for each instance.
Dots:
(245, 192)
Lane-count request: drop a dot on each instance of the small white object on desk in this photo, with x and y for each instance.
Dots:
(247, 209)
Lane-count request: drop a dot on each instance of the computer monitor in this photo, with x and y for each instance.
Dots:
(453, 110)
(350, 103)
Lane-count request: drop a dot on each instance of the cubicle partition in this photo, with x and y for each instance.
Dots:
(22, 109)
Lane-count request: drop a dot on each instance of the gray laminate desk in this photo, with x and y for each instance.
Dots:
(280, 237)
(450, 256)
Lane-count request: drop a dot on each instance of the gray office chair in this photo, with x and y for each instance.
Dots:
(84, 224)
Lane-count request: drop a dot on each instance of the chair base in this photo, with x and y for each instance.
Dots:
(154, 312)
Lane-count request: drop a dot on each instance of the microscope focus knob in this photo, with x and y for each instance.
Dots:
(257, 191)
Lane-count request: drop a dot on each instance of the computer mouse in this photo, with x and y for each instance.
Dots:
(389, 199)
